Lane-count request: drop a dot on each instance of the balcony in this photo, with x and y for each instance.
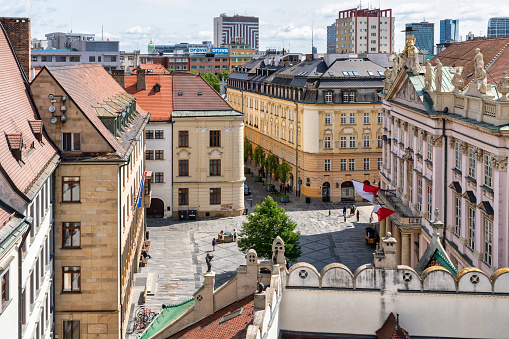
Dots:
(148, 189)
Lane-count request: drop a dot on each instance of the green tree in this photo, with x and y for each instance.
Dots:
(270, 164)
(283, 173)
(212, 80)
(258, 155)
(248, 149)
(262, 227)
(223, 75)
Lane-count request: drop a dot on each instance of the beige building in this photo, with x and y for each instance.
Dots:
(99, 197)
(208, 169)
(324, 120)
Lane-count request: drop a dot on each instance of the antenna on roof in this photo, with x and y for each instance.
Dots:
(102, 32)
(312, 33)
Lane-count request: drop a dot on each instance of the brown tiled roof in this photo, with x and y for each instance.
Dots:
(16, 110)
(391, 330)
(461, 54)
(211, 329)
(302, 335)
(95, 92)
(190, 84)
(36, 125)
(156, 69)
(158, 104)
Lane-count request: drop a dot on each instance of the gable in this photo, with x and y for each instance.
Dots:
(408, 95)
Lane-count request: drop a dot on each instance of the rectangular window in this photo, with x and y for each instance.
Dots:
(488, 171)
(366, 141)
(419, 149)
(91, 59)
(327, 165)
(488, 241)
(70, 189)
(74, 58)
(159, 134)
(352, 118)
(343, 164)
(410, 187)
(471, 162)
(71, 329)
(379, 165)
(328, 97)
(183, 138)
(327, 143)
(215, 167)
(72, 279)
(46, 58)
(327, 119)
(215, 196)
(411, 137)
(183, 168)
(366, 164)
(158, 177)
(395, 171)
(149, 155)
(352, 142)
(419, 194)
(471, 228)
(457, 156)
(366, 118)
(215, 138)
(4, 287)
(430, 149)
(71, 235)
(159, 154)
(149, 134)
(343, 118)
(430, 202)
(71, 142)
(34, 58)
(457, 216)
(183, 196)
(343, 142)
(351, 164)
(380, 141)
(60, 58)
(379, 118)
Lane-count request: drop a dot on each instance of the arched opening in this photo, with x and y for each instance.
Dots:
(264, 270)
(156, 209)
(347, 191)
(326, 192)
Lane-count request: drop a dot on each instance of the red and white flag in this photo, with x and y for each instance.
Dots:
(366, 191)
(381, 212)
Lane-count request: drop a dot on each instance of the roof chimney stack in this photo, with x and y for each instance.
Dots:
(140, 80)
(118, 75)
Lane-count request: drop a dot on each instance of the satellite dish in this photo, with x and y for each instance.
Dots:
(51, 97)
(52, 108)
(64, 97)
(53, 120)
(63, 118)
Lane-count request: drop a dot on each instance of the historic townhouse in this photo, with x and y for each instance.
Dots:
(100, 188)
(324, 119)
(27, 164)
(446, 141)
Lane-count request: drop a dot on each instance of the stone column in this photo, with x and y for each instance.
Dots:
(405, 249)
(204, 297)
(397, 235)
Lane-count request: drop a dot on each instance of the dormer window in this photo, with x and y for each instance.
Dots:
(36, 126)
(328, 96)
(15, 142)
(157, 88)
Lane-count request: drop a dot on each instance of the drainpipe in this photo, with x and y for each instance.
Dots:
(297, 187)
(445, 182)
(29, 221)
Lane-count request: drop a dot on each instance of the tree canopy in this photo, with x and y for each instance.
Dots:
(212, 80)
(248, 149)
(270, 164)
(262, 227)
(258, 155)
(283, 172)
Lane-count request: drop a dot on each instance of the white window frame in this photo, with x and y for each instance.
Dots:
(411, 137)
(351, 164)
(352, 119)
(457, 215)
(366, 141)
(327, 165)
(488, 171)
(352, 142)
(430, 149)
(457, 156)
(471, 163)
(366, 118)
(343, 165)
(430, 201)
(328, 97)
(343, 142)
(379, 118)
(379, 163)
(410, 187)
(488, 241)
(366, 164)
(419, 194)
(380, 141)
(327, 118)
(343, 118)
(471, 228)
(327, 142)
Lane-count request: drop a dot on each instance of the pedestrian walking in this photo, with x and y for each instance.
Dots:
(234, 235)
(344, 216)
(344, 210)
(358, 213)
(214, 242)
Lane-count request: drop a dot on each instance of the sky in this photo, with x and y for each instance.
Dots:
(135, 23)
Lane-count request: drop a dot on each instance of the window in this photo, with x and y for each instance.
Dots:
(419, 194)
(158, 177)
(215, 196)
(366, 164)
(149, 134)
(34, 58)
(348, 96)
(471, 162)
(60, 58)
(328, 97)
(46, 58)
(71, 142)
(71, 235)
(215, 167)
(149, 155)
(159, 154)
(183, 196)
(430, 149)
(343, 142)
(411, 137)
(457, 156)
(352, 118)
(70, 189)
(183, 138)
(343, 118)
(379, 165)
(366, 118)
(471, 228)
(380, 141)
(327, 143)
(410, 187)
(419, 149)
(430, 202)
(395, 171)
(327, 119)
(351, 164)
(352, 142)
(71, 329)
(72, 279)
(4, 288)
(113, 58)
(343, 164)
(91, 59)
(215, 138)
(159, 134)
(327, 165)
(457, 216)
(488, 171)
(366, 141)
(74, 58)
(379, 118)
(183, 168)
(488, 241)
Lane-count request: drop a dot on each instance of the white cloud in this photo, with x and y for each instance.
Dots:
(138, 30)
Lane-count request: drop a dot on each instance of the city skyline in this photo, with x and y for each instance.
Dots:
(281, 27)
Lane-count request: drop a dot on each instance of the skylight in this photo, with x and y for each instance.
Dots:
(345, 73)
(370, 73)
(381, 73)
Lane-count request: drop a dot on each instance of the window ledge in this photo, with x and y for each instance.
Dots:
(429, 162)
(71, 202)
(455, 170)
(418, 156)
(472, 180)
(70, 292)
(71, 248)
(487, 189)
(5, 305)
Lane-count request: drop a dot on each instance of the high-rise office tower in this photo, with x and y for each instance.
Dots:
(332, 31)
(236, 29)
(449, 30)
(498, 27)
(365, 31)
(424, 33)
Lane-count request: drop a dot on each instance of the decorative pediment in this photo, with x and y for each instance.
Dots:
(215, 154)
(408, 93)
(183, 154)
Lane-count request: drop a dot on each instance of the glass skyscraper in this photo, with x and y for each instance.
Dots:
(449, 30)
(331, 38)
(424, 33)
(498, 27)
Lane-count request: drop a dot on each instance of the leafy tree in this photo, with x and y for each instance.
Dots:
(270, 164)
(283, 172)
(258, 155)
(248, 149)
(212, 80)
(223, 75)
(262, 227)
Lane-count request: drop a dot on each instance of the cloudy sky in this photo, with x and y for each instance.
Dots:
(134, 23)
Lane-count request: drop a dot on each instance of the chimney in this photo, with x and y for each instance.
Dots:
(18, 32)
(140, 80)
(118, 75)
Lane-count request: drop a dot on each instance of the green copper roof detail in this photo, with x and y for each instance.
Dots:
(166, 317)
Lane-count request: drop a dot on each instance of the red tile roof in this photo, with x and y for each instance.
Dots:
(304, 335)
(190, 85)
(461, 54)
(151, 69)
(391, 330)
(16, 110)
(158, 104)
(235, 328)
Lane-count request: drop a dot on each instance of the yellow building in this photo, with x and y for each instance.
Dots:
(240, 54)
(325, 121)
(208, 169)
(99, 197)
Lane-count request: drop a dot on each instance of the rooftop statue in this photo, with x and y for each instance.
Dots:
(208, 260)
(457, 80)
(438, 76)
(428, 77)
(503, 87)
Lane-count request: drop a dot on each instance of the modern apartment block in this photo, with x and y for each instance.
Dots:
(236, 29)
(449, 30)
(100, 192)
(27, 165)
(324, 121)
(498, 27)
(424, 34)
(332, 32)
(364, 31)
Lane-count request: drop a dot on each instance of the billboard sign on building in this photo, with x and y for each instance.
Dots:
(219, 50)
(197, 50)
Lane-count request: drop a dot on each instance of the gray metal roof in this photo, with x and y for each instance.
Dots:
(351, 83)
(354, 68)
(204, 114)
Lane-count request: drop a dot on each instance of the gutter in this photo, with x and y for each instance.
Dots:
(21, 309)
(445, 183)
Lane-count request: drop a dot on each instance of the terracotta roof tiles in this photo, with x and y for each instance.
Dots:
(158, 104)
(190, 86)
(151, 69)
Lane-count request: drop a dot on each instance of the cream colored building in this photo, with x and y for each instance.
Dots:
(324, 120)
(99, 197)
(208, 168)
